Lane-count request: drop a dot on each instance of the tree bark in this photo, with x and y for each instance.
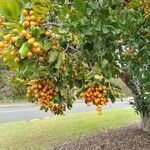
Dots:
(136, 89)
(145, 121)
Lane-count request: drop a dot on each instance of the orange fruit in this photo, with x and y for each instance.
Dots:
(31, 12)
(100, 88)
(26, 24)
(82, 95)
(14, 39)
(99, 95)
(17, 59)
(24, 33)
(29, 54)
(2, 45)
(37, 50)
(24, 12)
(48, 33)
(7, 38)
(28, 36)
(102, 102)
(32, 17)
(30, 41)
(13, 53)
(97, 100)
(104, 87)
(35, 44)
(27, 18)
(32, 23)
(105, 91)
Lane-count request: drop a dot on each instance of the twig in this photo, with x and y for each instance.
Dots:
(66, 47)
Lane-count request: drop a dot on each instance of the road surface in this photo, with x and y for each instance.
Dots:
(30, 111)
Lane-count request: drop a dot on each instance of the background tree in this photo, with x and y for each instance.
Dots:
(57, 47)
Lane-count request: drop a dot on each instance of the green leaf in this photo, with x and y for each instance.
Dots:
(53, 56)
(25, 48)
(59, 62)
(104, 63)
(9, 60)
(80, 5)
(47, 44)
(10, 10)
(35, 31)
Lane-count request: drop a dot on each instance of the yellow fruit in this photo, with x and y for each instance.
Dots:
(105, 91)
(30, 41)
(24, 33)
(48, 33)
(104, 87)
(13, 53)
(35, 44)
(32, 17)
(28, 36)
(31, 12)
(54, 46)
(100, 95)
(17, 59)
(29, 54)
(15, 31)
(37, 50)
(32, 23)
(2, 45)
(14, 39)
(7, 38)
(24, 12)
(27, 18)
(97, 101)
(26, 24)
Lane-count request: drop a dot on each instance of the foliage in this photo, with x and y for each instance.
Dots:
(73, 44)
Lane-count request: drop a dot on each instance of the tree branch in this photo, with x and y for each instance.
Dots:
(131, 83)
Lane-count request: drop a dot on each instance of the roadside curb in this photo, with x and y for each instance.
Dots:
(16, 105)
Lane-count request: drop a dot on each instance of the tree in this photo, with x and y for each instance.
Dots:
(58, 47)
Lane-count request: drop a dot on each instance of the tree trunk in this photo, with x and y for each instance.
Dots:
(145, 121)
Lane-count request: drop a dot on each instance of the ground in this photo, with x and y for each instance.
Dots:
(126, 138)
(45, 133)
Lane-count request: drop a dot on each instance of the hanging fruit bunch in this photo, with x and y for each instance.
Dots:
(30, 40)
(145, 4)
(96, 95)
(43, 92)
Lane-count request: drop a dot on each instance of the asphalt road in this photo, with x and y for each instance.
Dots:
(30, 111)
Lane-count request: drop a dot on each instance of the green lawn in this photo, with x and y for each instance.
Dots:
(41, 134)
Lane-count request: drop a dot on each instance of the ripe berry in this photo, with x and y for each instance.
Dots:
(24, 12)
(29, 54)
(26, 24)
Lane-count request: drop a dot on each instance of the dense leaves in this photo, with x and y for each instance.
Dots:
(74, 44)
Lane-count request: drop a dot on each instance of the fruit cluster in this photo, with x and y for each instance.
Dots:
(24, 38)
(57, 109)
(95, 95)
(43, 92)
(30, 20)
(145, 6)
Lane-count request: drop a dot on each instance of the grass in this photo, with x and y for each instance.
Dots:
(42, 134)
